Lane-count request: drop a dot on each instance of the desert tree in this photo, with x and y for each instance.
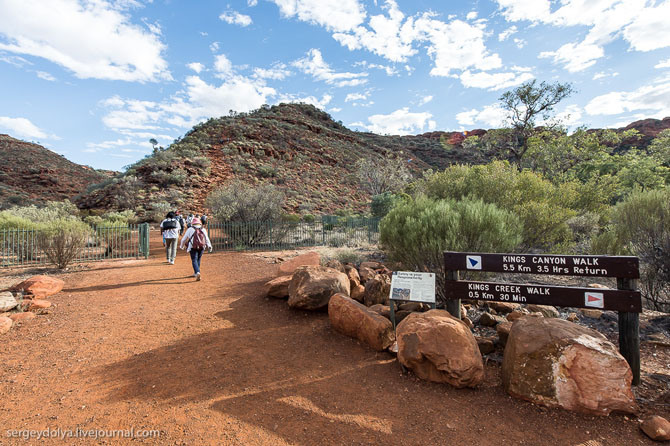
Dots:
(382, 174)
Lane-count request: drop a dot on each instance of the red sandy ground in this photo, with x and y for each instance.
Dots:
(139, 344)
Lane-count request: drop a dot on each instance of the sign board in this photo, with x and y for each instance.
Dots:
(416, 287)
(593, 266)
(617, 300)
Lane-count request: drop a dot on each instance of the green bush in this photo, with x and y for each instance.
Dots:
(543, 208)
(417, 232)
(641, 226)
(381, 204)
(62, 240)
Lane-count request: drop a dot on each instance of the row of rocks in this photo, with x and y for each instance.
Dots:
(32, 293)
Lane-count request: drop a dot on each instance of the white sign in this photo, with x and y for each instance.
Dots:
(596, 300)
(473, 262)
(418, 287)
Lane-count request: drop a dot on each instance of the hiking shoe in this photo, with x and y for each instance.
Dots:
(197, 277)
(171, 262)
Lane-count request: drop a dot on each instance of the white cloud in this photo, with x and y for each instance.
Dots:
(222, 65)
(22, 128)
(651, 28)
(507, 33)
(603, 75)
(471, 15)
(314, 65)
(653, 100)
(400, 122)
(46, 76)
(252, 3)
(334, 15)
(335, 109)
(520, 43)
(91, 38)
(576, 57)
(663, 64)
(492, 116)
(313, 100)
(426, 99)
(196, 66)
(351, 97)
(235, 18)
(493, 81)
(570, 116)
(517, 10)
(277, 72)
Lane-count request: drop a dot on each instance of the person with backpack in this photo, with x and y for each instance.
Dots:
(203, 219)
(182, 223)
(189, 219)
(196, 240)
(170, 228)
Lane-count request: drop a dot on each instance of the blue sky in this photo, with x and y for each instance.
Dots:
(94, 80)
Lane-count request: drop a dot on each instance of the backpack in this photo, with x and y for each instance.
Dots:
(170, 224)
(198, 240)
(182, 223)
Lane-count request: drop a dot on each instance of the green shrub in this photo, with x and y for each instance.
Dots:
(542, 207)
(417, 232)
(381, 204)
(62, 240)
(159, 211)
(641, 226)
(308, 218)
(349, 256)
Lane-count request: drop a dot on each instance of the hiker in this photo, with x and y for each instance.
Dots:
(197, 240)
(170, 228)
(203, 219)
(182, 223)
(189, 219)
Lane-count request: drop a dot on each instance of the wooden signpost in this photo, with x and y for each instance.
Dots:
(625, 299)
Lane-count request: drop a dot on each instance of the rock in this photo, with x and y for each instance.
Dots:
(464, 311)
(357, 292)
(309, 259)
(312, 286)
(356, 320)
(400, 315)
(7, 301)
(490, 320)
(384, 310)
(440, 348)
(503, 332)
(516, 314)
(656, 427)
(486, 345)
(591, 313)
(38, 304)
(410, 306)
(366, 274)
(597, 285)
(277, 287)
(546, 310)
(556, 363)
(354, 278)
(468, 322)
(39, 287)
(572, 317)
(377, 290)
(22, 317)
(5, 324)
(335, 264)
(371, 265)
(503, 307)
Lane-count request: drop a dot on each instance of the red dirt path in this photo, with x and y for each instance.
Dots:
(140, 344)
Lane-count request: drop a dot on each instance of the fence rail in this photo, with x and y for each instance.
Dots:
(21, 247)
(330, 231)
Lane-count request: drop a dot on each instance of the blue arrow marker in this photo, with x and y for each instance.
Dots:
(473, 262)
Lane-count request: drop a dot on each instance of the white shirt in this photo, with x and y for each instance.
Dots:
(188, 236)
(171, 233)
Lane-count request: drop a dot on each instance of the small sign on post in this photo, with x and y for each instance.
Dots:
(413, 287)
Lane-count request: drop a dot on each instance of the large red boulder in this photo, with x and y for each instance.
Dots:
(309, 259)
(39, 287)
(377, 290)
(557, 363)
(312, 286)
(356, 320)
(438, 347)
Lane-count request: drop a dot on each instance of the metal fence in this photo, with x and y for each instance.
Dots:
(21, 247)
(329, 231)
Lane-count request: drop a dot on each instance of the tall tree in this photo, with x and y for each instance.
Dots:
(524, 105)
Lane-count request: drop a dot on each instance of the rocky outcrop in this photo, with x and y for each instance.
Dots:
(335, 264)
(440, 348)
(278, 287)
(358, 321)
(377, 290)
(556, 363)
(656, 427)
(312, 286)
(308, 259)
(366, 274)
(39, 287)
(545, 310)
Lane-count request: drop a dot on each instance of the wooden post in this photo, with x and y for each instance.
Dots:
(629, 332)
(453, 305)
